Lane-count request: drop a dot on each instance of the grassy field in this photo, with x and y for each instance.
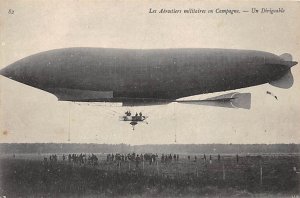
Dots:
(267, 175)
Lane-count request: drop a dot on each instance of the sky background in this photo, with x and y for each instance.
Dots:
(31, 115)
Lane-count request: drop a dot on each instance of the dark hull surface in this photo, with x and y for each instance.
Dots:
(115, 74)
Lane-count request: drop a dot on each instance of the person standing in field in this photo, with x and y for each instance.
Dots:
(137, 161)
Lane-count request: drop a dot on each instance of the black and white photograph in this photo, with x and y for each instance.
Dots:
(128, 98)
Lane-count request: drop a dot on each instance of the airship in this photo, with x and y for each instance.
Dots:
(151, 76)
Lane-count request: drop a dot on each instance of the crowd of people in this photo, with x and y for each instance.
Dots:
(169, 158)
(132, 157)
(92, 159)
(82, 159)
(52, 158)
(79, 159)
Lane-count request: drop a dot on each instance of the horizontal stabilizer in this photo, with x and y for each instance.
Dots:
(285, 82)
(231, 100)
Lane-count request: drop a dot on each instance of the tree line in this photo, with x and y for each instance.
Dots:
(163, 148)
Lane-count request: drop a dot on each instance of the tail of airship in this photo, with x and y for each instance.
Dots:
(287, 80)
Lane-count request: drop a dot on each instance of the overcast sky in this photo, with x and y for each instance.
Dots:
(31, 115)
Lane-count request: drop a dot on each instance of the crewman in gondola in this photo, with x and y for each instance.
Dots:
(127, 113)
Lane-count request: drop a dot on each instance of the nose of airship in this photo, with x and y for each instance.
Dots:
(7, 72)
(27, 71)
(2, 72)
(15, 72)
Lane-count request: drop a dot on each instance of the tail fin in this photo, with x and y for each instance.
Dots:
(287, 80)
(288, 60)
(286, 57)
